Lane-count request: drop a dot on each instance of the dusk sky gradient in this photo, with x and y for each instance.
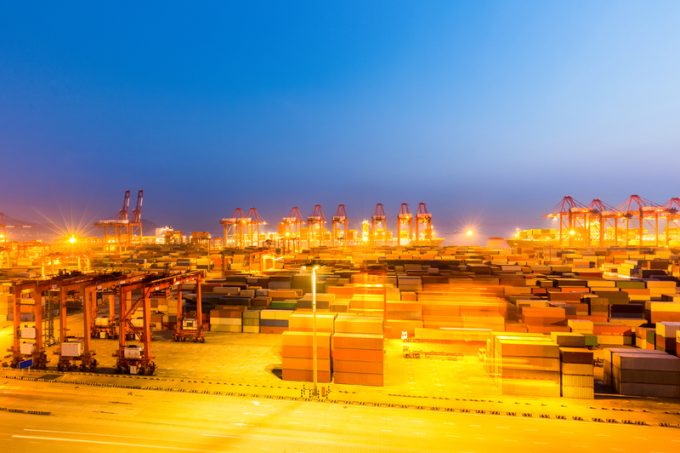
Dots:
(488, 111)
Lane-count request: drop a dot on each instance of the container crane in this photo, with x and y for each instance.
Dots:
(573, 220)
(404, 225)
(253, 226)
(316, 225)
(3, 228)
(672, 211)
(340, 227)
(116, 226)
(234, 229)
(135, 227)
(378, 231)
(603, 223)
(637, 211)
(423, 224)
(290, 230)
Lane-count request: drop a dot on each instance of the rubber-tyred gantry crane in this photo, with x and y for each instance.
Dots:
(404, 225)
(378, 232)
(316, 227)
(340, 227)
(131, 358)
(290, 230)
(423, 224)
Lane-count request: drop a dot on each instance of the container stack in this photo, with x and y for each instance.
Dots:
(226, 319)
(298, 357)
(358, 351)
(274, 321)
(527, 365)
(577, 373)
(251, 321)
(666, 334)
(645, 373)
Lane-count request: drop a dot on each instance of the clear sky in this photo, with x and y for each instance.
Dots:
(488, 111)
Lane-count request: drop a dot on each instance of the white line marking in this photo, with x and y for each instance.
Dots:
(100, 442)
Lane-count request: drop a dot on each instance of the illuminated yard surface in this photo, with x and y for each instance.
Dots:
(427, 404)
(85, 419)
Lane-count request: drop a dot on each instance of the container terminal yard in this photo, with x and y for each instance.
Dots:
(559, 332)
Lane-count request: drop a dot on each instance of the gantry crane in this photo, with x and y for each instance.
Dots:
(637, 211)
(3, 228)
(423, 224)
(135, 226)
(603, 224)
(133, 358)
(340, 227)
(118, 226)
(672, 215)
(75, 353)
(253, 227)
(404, 225)
(234, 229)
(290, 230)
(316, 227)
(188, 327)
(378, 232)
(28, 347)
(573, 221)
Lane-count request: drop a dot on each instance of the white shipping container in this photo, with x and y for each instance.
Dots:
(101, 321)
(132, 352)
(190, 324)
(72, 349)
(26, 348)
(28, 332)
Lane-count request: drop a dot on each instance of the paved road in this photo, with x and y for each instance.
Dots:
(96, 419)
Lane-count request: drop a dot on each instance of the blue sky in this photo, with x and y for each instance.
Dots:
(488, 111)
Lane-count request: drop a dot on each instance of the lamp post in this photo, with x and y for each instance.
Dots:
(315, 367)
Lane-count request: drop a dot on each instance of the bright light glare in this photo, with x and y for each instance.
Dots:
(469, 232)
(72, 239)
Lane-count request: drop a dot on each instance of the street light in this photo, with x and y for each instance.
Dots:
(315, 367)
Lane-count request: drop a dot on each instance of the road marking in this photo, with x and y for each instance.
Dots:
(240, 424)
(100, 442)
(79, 433)
(386, 430)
